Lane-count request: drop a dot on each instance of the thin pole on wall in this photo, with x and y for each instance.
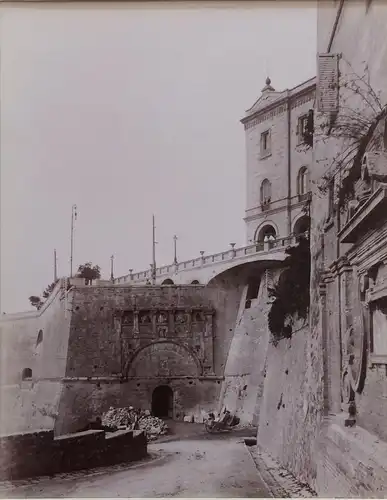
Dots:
(153, 251)
(73, 218)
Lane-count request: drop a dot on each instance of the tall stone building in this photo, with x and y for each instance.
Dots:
(278, 161)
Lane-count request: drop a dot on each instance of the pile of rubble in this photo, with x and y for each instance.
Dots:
(135, 419)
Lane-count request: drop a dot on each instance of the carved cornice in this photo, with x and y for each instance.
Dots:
(340, 266)
(155, 309)
(279, 106)
(369, 251)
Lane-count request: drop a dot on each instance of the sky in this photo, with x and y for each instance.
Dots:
(129, 110)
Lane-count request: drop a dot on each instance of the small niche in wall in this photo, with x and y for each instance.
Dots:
(26, 374)
(252, 291)
(39, 339)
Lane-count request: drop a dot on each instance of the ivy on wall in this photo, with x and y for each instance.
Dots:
(291, 295)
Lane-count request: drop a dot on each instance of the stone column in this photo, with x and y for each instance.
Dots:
(208, 341)
(136, 330)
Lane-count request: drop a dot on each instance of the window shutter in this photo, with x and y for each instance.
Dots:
(328, 83)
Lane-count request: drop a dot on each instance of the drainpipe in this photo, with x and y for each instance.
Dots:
(289, 168)
(334, 29)
(338, 222)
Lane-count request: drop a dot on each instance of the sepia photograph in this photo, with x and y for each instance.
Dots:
(193, 249)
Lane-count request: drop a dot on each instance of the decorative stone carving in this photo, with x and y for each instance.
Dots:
(162, 318)
(181, 318)
(356, 338)
(191, 330)
(128, 318)
(347, 391)
(145, 318)
(162, 331)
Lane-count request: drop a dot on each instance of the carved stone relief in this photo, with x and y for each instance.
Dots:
(355, 338)
(190, 329)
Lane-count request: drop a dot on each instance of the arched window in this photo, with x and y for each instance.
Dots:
(301, 227)
(303, 181)
(265, 192)
(26, 373)
(195, 282)
(267, 233)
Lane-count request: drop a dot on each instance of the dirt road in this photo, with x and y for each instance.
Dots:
(192, 467)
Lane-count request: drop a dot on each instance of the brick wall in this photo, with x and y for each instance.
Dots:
(39, 453)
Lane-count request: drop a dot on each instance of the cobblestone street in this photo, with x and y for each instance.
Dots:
(193, 466)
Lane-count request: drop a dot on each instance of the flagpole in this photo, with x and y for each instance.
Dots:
(73, 217)
(111, 268)
(175, 251)
(153, 252)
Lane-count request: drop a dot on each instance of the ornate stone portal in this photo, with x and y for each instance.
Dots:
(174, 342)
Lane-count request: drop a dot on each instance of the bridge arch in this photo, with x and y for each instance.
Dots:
(167, 281)
(163, 359)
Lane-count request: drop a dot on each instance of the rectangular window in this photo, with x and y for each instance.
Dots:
(266, 143)
(302, 128)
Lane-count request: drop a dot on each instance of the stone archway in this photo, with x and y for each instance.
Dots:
(301, 226)
(267, 231)
(168, 281)
(162, 402)
(164, 359)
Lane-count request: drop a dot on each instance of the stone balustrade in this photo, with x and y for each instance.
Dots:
(208, 260)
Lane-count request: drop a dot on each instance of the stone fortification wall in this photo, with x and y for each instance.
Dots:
(37, 341)
(117, 359)
(245, 368)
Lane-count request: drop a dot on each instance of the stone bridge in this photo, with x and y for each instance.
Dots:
(201, 270)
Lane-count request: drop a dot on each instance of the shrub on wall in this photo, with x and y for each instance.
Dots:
(291, 295)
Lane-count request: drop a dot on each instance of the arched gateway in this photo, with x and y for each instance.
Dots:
(162, 402)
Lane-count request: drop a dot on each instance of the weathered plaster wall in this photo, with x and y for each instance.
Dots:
(245, 367)
(283, 420)
(33, 404)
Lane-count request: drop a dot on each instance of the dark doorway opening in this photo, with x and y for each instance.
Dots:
(162, 402)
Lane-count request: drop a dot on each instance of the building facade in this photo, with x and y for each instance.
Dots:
(349, 247)
(278, 161)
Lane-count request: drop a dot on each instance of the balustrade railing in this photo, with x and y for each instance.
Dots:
(234, 253)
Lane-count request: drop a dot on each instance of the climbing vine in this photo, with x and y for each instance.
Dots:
(290, 295)
(359, 126)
